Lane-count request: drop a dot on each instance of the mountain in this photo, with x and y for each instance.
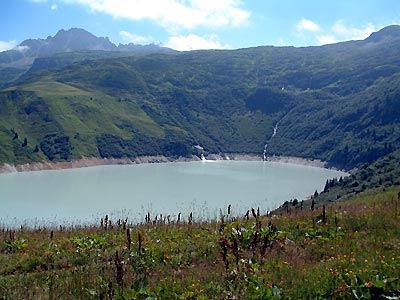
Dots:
(74, 39)
(16, 61)
(339, 103)
(387, 33)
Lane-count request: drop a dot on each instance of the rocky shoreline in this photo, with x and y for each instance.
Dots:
(87, 162)
(299, 161)
(96, 161)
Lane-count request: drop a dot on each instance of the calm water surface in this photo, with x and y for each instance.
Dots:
(84, 195)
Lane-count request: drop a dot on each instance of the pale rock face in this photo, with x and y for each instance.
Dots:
(8, 169)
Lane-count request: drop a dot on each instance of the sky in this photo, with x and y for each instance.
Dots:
(199, 24)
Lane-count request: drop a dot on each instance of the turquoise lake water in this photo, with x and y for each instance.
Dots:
(85, 195)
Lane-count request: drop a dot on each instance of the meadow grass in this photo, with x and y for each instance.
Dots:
(348, 250)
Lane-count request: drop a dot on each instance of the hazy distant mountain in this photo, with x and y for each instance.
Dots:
(16, 61)
(74, 39)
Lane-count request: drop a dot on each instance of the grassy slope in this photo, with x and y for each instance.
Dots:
(47, 107)
(301, 255)
(383, 173)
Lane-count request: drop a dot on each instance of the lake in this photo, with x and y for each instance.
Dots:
(76, 196)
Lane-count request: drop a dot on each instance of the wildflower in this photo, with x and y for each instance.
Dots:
(128, 238)
(224, 251)
(120, 271)
(140, 240)
(368, 284)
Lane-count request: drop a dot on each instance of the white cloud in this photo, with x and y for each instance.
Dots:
(21, 49)
(339, 32)
(194, 42)
(12, 45)
(134, 38)
(307, 25)
(346, 32)
(326, 39)
(54, 7)
(174, 14)
(7, 45)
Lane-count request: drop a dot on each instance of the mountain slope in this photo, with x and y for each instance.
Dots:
(339, 103)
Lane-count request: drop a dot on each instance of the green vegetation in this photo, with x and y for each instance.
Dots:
(382, 174)
(338, 103)
(298, 254)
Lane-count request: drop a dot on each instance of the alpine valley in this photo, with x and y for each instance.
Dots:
(75, 95)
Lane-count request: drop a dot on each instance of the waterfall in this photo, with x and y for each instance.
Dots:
(275, 130)
(266, 145)
(265, 152)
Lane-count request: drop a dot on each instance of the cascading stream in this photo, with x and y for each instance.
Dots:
(266, 145)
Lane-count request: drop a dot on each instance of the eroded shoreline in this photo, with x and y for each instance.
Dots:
(96, 161)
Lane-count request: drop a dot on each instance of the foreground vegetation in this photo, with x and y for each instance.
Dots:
(348, 250)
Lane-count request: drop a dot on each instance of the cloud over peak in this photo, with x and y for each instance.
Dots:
(21, 49)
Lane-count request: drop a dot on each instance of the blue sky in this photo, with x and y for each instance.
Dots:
(199, 24)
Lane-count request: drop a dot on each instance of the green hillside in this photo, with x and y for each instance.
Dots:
(339, 103)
